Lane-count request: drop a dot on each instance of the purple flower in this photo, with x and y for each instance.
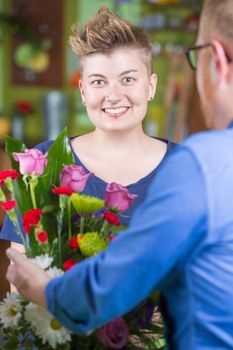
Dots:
(118, 197)
(114, 334)
(31, 162)
(74, 177)
(75, 218)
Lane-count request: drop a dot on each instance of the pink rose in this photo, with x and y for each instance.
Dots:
(114, 334)
(118, 197)
(31, 162)
(74, 177)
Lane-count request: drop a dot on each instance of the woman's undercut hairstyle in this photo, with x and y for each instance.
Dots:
(105, 32)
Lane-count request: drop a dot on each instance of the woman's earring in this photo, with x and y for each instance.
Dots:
(84, 103)
(150, 98)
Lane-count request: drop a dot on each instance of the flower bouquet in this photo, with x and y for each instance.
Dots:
(59, 226)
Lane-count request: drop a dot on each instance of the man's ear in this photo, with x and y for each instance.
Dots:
(219, 63)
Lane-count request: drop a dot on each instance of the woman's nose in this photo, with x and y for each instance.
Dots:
(113, 94)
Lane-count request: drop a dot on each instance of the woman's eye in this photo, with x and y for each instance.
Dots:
(98, 83)
(129, 80)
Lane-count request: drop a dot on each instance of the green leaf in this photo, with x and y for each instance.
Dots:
(59, 154)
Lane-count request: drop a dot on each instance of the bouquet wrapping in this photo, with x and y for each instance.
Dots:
(60, 226)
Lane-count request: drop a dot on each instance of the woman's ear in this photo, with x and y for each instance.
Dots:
(152, 86)
(80, 85)
(219, 63)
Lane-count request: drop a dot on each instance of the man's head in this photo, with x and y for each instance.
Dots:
(214, 65)
(105, 32)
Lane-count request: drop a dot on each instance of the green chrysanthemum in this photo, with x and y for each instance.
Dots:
(91, 243)
(85, 205)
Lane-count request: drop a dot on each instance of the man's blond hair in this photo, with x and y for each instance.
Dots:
(105, 32)
(217, 16)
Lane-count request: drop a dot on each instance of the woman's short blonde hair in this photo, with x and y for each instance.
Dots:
(105, 32)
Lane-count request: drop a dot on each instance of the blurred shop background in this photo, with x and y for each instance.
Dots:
(39, 71)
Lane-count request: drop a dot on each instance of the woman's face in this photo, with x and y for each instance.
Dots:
(115, 88)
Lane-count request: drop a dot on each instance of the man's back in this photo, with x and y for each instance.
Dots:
(200, 299)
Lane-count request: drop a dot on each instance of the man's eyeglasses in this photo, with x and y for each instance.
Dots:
(191, 54)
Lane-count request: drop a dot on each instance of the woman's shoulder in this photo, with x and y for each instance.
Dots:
(163, 139)
(170, 144)
(44, 146)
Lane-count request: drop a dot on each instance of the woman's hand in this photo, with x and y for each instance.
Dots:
(29, 279)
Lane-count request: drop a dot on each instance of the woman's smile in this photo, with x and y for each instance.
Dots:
(116, 112)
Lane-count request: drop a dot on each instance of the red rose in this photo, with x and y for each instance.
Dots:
(112, 218)
(73, 243)
(68, 264)
(42, 237)
(23, 107)
(8, 205)
(62, 190)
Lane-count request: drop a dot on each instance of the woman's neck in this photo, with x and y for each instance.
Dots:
(117, 142)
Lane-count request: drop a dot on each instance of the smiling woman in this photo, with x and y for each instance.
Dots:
(116, 84)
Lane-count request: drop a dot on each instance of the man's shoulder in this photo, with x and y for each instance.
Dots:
(211, 148)
(215, 138)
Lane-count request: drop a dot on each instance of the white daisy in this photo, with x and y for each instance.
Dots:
(43, 261)
(45, 326)
(10, 310)
(53, 272)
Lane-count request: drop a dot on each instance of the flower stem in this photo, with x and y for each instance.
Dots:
(21, 235)
(69, 217)
(104, 229)
(82, 222)
(59, 231)
(32, 192)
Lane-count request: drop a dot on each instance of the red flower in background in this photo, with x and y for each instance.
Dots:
(8, 205)
(74, 79)
(23, 107)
